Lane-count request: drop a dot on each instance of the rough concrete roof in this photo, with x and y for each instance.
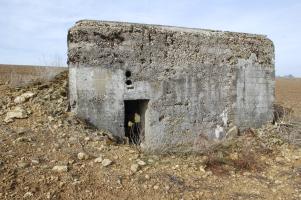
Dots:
(87, 22)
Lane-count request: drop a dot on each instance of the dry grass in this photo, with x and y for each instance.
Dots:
(288, 124)
(237, 158)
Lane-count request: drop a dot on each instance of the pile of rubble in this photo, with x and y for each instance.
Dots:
(20, 102)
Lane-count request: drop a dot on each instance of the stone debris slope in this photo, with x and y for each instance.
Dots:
(48, 153)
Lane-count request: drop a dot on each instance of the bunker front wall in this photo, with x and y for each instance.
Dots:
(197, 81)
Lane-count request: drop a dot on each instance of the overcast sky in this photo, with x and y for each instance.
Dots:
(35, 31)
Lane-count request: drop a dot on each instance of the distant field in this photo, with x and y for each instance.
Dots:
(17, 75)
(288, 93)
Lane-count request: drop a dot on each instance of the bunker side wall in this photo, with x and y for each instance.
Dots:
(255, 88)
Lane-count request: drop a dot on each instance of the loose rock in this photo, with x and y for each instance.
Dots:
(135, 167)
(60, 168)
(82, 156)
(23, 164)
(141, 162)
(16, 113)
(28, 95)
(19, 100)
(22, 98)
(156, 187)
(98, 160)
(279, 159)
(106, 162)
(35, 161)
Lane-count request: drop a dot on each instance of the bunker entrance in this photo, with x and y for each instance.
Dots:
(134, 119)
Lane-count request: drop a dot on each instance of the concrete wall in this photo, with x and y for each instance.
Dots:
(17, 75)
(197, 81)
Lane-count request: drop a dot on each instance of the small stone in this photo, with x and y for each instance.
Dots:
(35, 161)
(16, 113)
(279, 159)
(246, 173)
(141, 162)
(48, 195)
(27, 194)
(22, 98)
(82, 156)
(147, 177)
(132, 151)
(50, 118)
(135, 167)
(175, 167)
(60, 168)
(156, 187)
(72, 140)
(28, 95)
(278, 182)
(106, 162)
(98, 160)
(19, 100)
(23, 164)
(61, 184)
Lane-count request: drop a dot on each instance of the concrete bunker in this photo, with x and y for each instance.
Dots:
(188, 86)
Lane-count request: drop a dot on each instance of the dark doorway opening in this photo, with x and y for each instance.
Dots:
(134, 119)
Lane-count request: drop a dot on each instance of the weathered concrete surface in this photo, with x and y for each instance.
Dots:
(197, 81)
(17, 75)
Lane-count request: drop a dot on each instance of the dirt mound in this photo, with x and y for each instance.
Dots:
(47, 153)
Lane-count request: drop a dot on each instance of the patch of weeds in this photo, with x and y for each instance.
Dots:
(237, 157)
(247, 161)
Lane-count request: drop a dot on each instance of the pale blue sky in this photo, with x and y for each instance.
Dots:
(35, 31)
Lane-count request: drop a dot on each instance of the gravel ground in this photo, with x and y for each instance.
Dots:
(47, 153)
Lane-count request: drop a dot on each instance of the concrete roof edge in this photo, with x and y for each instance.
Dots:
(168, 27)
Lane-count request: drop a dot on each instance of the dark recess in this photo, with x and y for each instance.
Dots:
(128, 82)
(134, 129)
